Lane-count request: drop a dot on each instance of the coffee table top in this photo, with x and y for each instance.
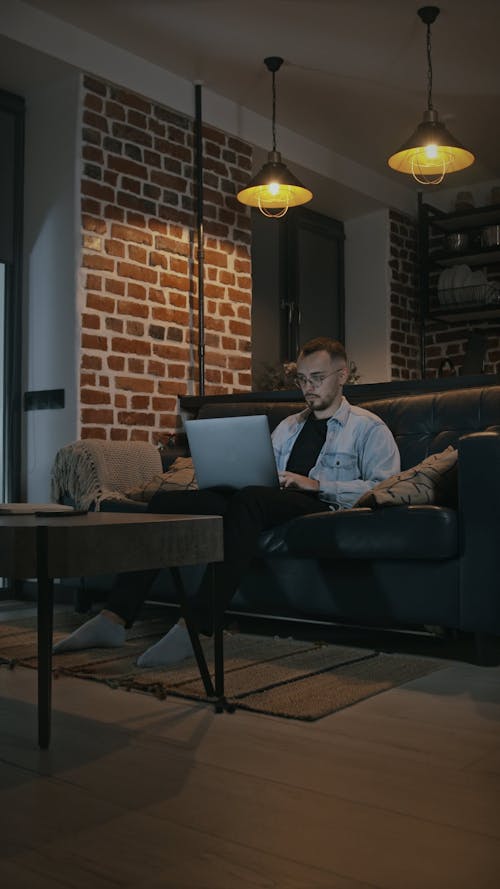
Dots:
(101, 543)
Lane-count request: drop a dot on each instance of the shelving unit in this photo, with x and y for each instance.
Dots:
(467, 304)
(469, 257)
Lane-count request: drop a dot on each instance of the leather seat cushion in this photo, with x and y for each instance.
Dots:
(406, 532)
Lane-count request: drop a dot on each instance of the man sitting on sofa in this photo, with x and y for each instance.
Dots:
(327, 456)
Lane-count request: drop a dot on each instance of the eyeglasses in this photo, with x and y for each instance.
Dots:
(315, 380)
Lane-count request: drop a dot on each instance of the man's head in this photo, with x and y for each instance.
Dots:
(321, 373)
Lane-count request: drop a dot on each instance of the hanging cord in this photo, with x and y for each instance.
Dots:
(429, 69)
(274, 110)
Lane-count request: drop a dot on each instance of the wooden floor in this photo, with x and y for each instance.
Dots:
(401, 791)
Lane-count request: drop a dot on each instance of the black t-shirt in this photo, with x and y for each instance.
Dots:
(307, 446)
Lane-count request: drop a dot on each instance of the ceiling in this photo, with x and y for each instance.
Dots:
(354, 77)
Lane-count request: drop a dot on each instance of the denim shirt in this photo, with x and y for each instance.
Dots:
(359, 451)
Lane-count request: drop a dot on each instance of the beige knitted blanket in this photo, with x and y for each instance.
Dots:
(90, 471)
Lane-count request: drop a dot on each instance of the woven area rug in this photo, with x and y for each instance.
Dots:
(280, 677)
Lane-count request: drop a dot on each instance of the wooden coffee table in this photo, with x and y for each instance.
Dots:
(47, 547)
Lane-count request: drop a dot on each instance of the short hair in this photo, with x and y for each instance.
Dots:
(323, 344)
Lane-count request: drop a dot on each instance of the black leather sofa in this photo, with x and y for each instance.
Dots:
(395, 566)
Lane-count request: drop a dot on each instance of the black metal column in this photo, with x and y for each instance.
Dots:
(199, 214)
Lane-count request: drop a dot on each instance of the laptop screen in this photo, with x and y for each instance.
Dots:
(232, 451)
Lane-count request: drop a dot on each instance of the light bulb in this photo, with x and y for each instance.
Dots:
(274, 212)
(431, 151)
(428, 170)
(273, 188)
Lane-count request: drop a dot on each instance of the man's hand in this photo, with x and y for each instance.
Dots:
(299, 482)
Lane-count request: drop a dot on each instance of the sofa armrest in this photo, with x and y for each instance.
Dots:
(479, 506)
(90, 470)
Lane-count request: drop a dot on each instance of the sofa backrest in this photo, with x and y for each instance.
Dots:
(421, 424)
(276, 411)
(426, 424)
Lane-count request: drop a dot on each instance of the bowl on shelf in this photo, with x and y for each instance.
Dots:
(490, 236)
(456, 241)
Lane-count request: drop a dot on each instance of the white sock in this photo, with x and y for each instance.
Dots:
(175, 646)
(98, 632)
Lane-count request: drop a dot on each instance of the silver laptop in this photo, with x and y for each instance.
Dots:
(232, 451)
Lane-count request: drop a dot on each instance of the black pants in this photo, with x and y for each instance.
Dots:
(246, 513)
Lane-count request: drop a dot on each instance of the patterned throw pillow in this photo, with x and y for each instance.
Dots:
(434, 481)
(179, 477)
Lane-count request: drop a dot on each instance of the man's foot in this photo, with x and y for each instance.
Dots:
(175, 646)
(98, 632)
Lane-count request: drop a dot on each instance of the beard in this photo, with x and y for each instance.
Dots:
(316, 402)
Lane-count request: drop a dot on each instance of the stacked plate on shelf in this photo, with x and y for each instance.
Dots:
(458, 285)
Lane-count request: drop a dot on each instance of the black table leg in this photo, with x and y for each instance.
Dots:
(218, 692)
(45, 615)
(221, 702)
(193, 635)
(218, 624)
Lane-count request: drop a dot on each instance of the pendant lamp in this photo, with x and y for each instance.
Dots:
(431, 152)
(274, 189)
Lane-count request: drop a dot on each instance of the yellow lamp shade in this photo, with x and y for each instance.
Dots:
(431, 152)
(274, 188)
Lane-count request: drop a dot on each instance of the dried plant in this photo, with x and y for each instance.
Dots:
(276, 377)
(273, 377)
(354, 376)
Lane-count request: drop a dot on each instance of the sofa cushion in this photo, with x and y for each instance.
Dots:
(180, 477)
(434, 480)
(405, 532)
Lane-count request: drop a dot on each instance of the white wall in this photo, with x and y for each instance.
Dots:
(50, 353)
(367, 295)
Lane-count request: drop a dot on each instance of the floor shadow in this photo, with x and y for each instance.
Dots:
(81, 746)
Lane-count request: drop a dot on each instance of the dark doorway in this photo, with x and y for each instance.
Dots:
(298, 284)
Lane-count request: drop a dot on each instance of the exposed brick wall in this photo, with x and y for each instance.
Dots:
(138, 297)
(442, 340)
(450, 343)
(405, 335)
